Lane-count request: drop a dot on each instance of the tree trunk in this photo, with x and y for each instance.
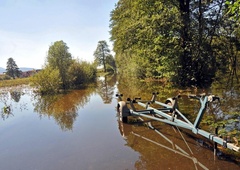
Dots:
(104, 59)
(185, 61)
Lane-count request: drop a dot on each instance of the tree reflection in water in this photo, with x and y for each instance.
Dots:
(6, 95)
(106, 87)
(16, 95)
(6, 110)
(167, 147)
(64, 107)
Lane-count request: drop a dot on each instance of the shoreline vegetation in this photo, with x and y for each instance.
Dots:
(14, 82)
(27, 80)
(233, 156)
(61, 71)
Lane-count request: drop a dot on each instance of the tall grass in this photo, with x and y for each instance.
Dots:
(14, 82)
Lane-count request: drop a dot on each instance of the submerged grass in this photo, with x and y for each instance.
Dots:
(14, 82)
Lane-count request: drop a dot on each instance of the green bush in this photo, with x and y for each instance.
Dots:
(47, 81)
(80, 73)
(5, 77)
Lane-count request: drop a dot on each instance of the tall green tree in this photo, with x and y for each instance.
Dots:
(60, 59)
(233, 9)
(101, 53)
(111, 64)
(176, 38)
(143, 36)
(202, 27)
(12, 68)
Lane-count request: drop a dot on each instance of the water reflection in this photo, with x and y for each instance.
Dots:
(226, 114)
(63, 108)
(8, 96)
(106, 86)
(16, 95)
(6, 112)
(167, 147)
(6, 109)
(142, 140)
(228, 108)
(140, 148)
(232, 97)
(134, 88)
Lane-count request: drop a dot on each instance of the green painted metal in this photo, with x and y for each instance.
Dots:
(203, 101)
(169, 114)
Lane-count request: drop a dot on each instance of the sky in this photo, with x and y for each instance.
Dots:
(29, 27)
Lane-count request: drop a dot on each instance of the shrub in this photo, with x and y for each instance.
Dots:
(47, 81)
(5, 77)
(81, 72)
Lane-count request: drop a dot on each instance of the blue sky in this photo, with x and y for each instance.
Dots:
(29, 27)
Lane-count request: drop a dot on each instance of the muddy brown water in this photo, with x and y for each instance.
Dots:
(81, 130)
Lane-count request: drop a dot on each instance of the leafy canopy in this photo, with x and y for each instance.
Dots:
(179, 40)
(12, 68)
(60, 59)
(101, 53)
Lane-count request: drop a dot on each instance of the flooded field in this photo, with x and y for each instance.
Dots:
(81, 130)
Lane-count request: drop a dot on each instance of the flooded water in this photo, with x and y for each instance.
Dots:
(81, 130)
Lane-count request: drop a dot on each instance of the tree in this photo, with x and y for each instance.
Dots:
(61, 72)
(176, 38)
(111, 64)
(234, 9)
(201, 24)
(12, 68)
(144, 37)
(101, 54)
(59, 58)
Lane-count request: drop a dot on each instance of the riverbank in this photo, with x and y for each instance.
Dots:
(14, 82)
(20, 81)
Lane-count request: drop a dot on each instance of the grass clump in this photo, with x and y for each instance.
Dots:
(14, 82)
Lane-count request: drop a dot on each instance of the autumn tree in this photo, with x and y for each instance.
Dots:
(12, 68)
(101, 53)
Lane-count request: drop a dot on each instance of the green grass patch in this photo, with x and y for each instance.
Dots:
(14, 82)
